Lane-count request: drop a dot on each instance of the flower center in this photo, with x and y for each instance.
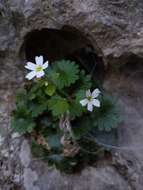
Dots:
(39, 68)
(89, 98)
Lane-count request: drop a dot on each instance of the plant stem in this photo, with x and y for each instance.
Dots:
(59, 90)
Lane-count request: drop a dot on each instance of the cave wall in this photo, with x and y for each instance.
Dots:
(115, 28)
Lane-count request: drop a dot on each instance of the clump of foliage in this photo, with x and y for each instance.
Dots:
(52, 110)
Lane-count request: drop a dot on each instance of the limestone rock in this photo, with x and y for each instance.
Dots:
(115, 29)
(116, 26)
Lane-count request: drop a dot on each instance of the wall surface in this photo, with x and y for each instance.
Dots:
(115, 28)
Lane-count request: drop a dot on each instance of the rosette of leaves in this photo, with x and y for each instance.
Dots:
(49, 110)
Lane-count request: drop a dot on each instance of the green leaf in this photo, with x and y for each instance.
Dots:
(80, 94)
(52, 75)
(104, 118)
(58, 105)
(21, 98)
(22, 125)
(81, 127)
(76, 109)
(21, 94)
(107, 116)
(67, 72)
(35, 90)
(37, 108)
(50, 89)
(84, 80)
(32, 92)
(46, 121)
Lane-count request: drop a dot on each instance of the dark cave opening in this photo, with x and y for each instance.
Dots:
(66, 43)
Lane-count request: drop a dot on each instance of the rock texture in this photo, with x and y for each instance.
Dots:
(115, 28)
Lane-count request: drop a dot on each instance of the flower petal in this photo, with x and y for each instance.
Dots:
(31, 75)
(30, 66)
(96, 102)
(95, 93)
(84, 102)
(40, 74)
(39, 60)
(45, 65)
(88, 93)
(90, 106)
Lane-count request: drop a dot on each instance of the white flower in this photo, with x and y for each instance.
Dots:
(91, 100)
(37, 70)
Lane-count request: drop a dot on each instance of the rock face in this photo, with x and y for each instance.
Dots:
(114, 28)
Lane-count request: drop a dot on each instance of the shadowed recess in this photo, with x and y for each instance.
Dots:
(67, 43)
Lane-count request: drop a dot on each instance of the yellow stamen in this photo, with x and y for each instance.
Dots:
(89, 98)
(39, 68)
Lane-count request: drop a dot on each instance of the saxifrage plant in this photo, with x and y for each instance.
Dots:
(59, 108)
